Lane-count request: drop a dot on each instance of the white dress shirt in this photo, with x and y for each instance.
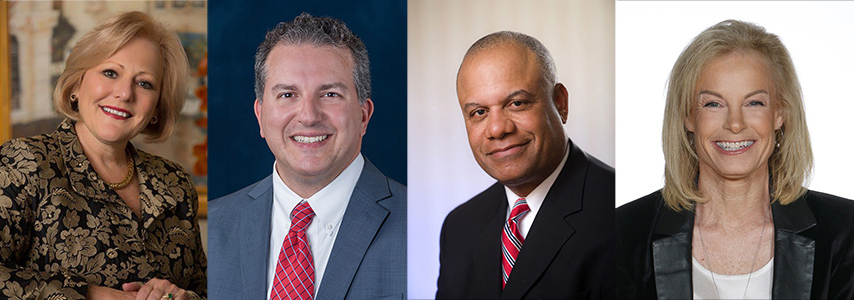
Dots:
(328, 204)
(535, 198)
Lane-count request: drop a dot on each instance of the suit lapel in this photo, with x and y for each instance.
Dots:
(362, 221)
(671, 253)
(487, 260)
(537, 252)
(551, 229)
(255, 240)
(794, 254)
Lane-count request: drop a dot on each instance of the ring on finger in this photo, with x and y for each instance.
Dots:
(167, 296)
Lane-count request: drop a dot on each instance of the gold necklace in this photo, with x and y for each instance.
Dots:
(128, 177)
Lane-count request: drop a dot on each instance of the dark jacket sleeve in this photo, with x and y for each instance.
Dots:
(635, 224)
(19, 193)
(197, 267)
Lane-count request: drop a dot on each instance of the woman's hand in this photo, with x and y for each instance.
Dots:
(155, 289)
(99, 292)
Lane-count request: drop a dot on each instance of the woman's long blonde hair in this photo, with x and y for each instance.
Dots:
(789, 165)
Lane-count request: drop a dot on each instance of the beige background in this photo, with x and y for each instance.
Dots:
(442, 172)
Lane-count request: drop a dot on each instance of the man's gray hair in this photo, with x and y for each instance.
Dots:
(316, 31)
(544, 58)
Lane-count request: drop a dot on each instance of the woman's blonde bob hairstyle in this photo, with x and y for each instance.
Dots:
(108, 37)
(789, 165)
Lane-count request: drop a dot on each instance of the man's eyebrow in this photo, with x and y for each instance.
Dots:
(282, 86)
(470, 104)
(519, 92)
(509, 96)
(339, 85)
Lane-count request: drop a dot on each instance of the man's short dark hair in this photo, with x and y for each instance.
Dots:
(544, 58)
(316, 31)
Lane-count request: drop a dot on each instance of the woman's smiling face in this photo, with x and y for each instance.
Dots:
(735, 116)
(117, 98)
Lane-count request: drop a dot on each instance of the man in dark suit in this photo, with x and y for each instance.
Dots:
(326, 223)
(546, 229)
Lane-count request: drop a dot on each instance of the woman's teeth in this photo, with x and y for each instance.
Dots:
(116, 112)
(733, 146)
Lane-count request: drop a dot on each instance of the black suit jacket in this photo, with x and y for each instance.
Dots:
(568, 252)
(813, 251)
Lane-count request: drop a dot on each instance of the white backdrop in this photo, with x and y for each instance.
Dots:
(650, 36)
(442, 172)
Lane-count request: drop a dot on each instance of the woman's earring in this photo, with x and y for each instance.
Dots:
(781, 138)
(74, 101)
(154, 120)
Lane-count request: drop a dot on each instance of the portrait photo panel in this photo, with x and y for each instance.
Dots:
(239, 153)
(652, 34)
(308, 149)
(443, 173)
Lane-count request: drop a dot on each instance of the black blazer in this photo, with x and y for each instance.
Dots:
(568, 252)
(813, 251)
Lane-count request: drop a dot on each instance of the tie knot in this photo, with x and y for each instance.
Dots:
(520, 208)
(301, 216)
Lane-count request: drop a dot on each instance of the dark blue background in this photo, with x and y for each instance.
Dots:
(237, 154)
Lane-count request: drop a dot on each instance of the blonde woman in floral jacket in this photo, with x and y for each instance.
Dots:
(82, 212)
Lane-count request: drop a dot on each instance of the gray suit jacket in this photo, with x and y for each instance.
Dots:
(368, 259)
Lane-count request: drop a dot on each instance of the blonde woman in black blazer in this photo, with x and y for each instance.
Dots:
(733, 219)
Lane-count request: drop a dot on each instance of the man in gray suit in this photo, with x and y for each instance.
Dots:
(326, 223)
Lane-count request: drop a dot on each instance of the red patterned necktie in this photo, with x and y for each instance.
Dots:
(511, 239)
(295, 270)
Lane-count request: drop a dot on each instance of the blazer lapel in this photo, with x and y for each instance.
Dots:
(671, 254)
(487, 261)
(362, 220)
(255, 240)
(794, 254)
(541, 250)
(551, 229)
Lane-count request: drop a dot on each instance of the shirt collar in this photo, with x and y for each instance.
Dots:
(538, 195)
(329, 203)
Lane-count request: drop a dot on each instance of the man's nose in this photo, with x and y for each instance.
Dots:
(310, 112)
(499, 125)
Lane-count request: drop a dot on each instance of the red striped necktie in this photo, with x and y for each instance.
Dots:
(295, 270)
(511, 239)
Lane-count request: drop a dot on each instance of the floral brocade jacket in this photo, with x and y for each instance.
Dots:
(62, 228)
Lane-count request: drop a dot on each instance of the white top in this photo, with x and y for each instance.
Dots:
(732, 286)
(534, 199)
(328, 204)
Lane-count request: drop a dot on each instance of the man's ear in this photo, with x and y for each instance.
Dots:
(561, 100)
(367, 112)
(258, 115)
